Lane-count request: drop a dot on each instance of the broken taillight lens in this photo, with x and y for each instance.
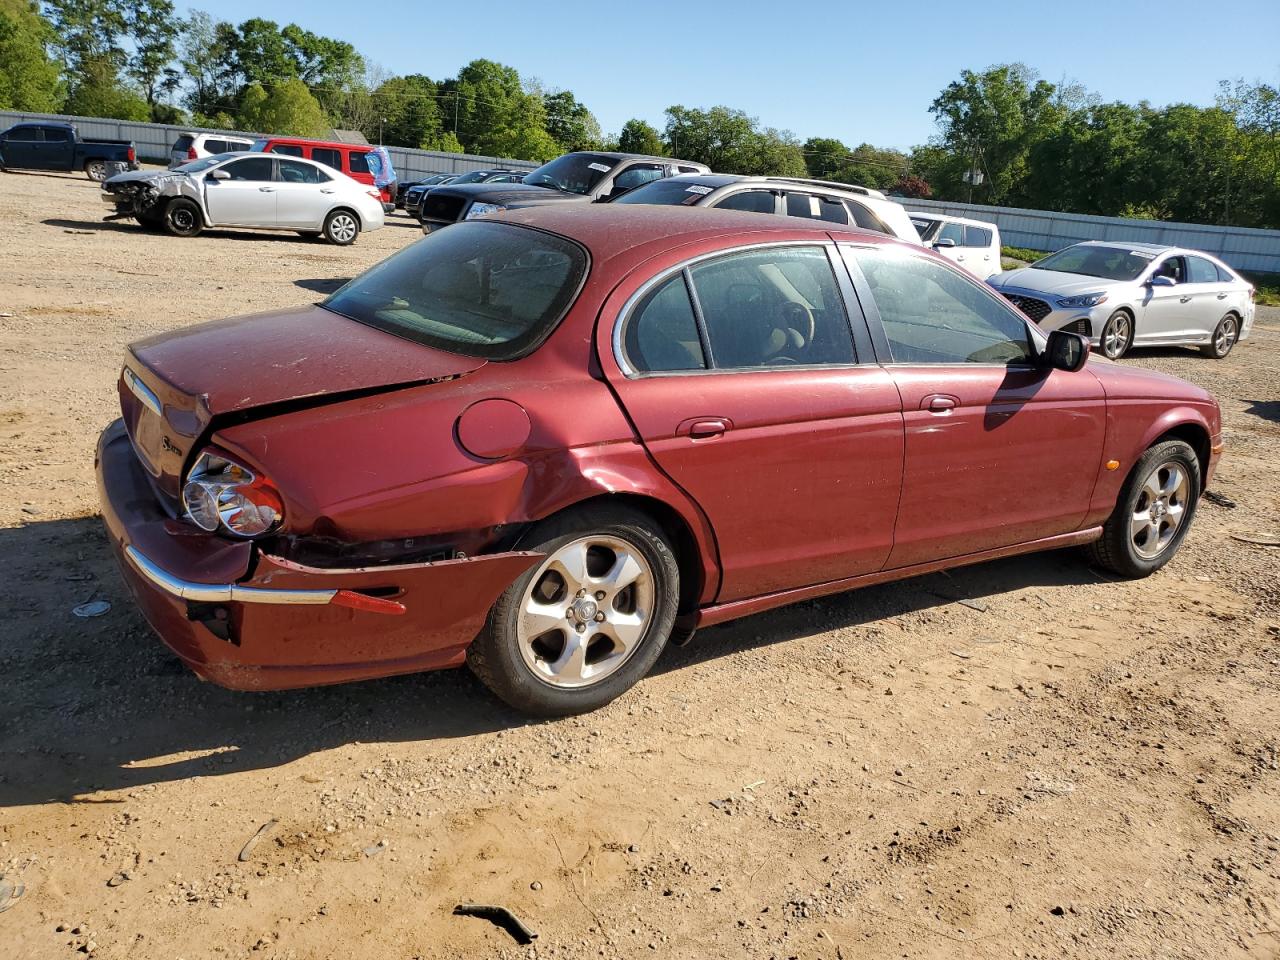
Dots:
(221, 494)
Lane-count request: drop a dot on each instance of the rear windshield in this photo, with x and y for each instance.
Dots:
(678, 192)
(182, 144)
(1108, 263)
(482, 289)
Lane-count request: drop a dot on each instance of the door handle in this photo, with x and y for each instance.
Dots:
(959, 256)
(703, 428)
(939, 403)
(267, 189)
(327, 190)
(1183, 299)
(1222, 296)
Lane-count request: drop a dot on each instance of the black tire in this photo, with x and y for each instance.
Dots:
(1117, 550)
(96, 170)
(182, 217)
(1225, 335)
(341, 227)
(1114, 342)
(496, 655)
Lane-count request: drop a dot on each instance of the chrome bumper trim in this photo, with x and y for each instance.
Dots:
(222, 592)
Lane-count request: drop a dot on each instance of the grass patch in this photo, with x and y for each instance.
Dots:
(1267, 287)
(1023, 254)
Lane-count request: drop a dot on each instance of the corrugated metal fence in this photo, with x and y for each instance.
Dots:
(153, 141)
(1240, 247)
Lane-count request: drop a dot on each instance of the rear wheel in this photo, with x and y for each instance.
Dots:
(586, 623)
(96, 170)
(182, 217)
(1117, 335)
(1225, 336)
(341, 227)
(1153, 513)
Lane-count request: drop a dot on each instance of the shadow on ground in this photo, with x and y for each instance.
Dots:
(129, 226)
(99, 704)
(321, 284)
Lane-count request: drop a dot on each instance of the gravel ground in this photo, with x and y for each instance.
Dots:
(1061, 765)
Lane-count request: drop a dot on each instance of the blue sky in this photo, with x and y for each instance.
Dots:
(859, 72)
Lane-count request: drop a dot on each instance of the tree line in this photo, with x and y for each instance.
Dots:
(1004, 135)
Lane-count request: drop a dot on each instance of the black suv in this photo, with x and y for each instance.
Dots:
(581, 177)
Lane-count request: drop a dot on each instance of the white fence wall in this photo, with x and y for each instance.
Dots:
(153, 141)
(1240, 247)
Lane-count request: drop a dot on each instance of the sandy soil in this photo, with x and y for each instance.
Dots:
(1024, 759)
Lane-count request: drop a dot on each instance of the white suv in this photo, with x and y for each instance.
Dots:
(974, 244)
(197, 146)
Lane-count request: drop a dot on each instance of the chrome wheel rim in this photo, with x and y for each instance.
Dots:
(343, 228)
(1116, 336)
(1226, 335)
(586, 611)
(97, 171)
(1160, 509)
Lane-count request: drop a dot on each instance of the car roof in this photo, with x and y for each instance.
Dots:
(615, 155)
(610, 230)
(1148, 247)
(43, 123)
(272, 138)
(948, 218)
(718, 180)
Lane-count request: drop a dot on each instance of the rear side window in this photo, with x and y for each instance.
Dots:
(752, 201)
(291, 171)
(932, 315)
(1200, 270)
(56, 135)
(183, 144)
(662, 333)
(359, 161)
(287, 149)
(1224, 275)
(953, 232)
(480, 288)
(816, 208)
(327, 156)
(977, 237)
(775, 307)
(866, 219)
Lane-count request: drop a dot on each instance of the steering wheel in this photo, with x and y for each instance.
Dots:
(780, 360)
(799, 318)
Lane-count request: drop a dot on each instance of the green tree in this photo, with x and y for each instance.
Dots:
(638, 137)
(408, 107)
(569, 123)
(29, 79)
(206, 53)
(287, 108)
(98, 92)
(729, 141)
(153, 29)
(825, 157)
(1091, 164)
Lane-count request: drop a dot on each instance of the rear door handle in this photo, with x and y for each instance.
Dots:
(1183, 299)
(267, 189)
(327, 190)
(939, 403)
(1222, 296)
(703, 428)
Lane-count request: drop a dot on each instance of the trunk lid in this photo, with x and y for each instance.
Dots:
(173, 385)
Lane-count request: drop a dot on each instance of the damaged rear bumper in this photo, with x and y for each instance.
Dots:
(250, 621)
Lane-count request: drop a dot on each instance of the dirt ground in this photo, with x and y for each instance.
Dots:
(1023, 759)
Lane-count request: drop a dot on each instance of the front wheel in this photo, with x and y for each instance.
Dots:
(96, 170)
(341, 227)
(1225, 336)
(586, 623)
(1154, 512)
(182, 218)
(1117, 335)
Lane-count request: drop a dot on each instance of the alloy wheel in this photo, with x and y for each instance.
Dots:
(1159, 510)
(97, 170)
(1225, 336)
(1115, 338)
(586, 611)
(343, 228)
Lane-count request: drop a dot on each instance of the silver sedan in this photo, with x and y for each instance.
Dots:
(1122, 295)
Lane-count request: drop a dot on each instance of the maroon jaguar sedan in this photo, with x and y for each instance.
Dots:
(548, 445)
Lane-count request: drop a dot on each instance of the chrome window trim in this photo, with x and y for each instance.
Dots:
(624, 314)
(142, 392)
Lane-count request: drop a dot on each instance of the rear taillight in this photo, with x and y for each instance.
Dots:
(220, 494)
(375, 194)
(131, 155)
(191, 153)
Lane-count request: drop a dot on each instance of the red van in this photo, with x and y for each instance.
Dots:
(349, 158)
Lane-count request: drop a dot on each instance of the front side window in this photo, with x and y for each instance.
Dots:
(752, 201)
(772, 307)
(813, 207)
(926, 227)
(287, 149)
(292, 171)
(250, 168)
(933, 315)
(25, 135)
(480, 288)
(662, 332)
(1173, 268)
(636, 176)
(1200, 270)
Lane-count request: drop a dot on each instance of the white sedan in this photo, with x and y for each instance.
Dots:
(262, 191)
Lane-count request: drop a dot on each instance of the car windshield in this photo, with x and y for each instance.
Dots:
(475, 176)
(925, 227)
(1109, 263)
(572, 173)
(675, 192)
(195, 166)
(482, 289)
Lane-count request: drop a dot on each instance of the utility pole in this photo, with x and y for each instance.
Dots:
(455, 114)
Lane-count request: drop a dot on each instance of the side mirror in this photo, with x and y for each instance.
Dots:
(946, 242)
(1160, 280)
(1066, 351)
(219, 174)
